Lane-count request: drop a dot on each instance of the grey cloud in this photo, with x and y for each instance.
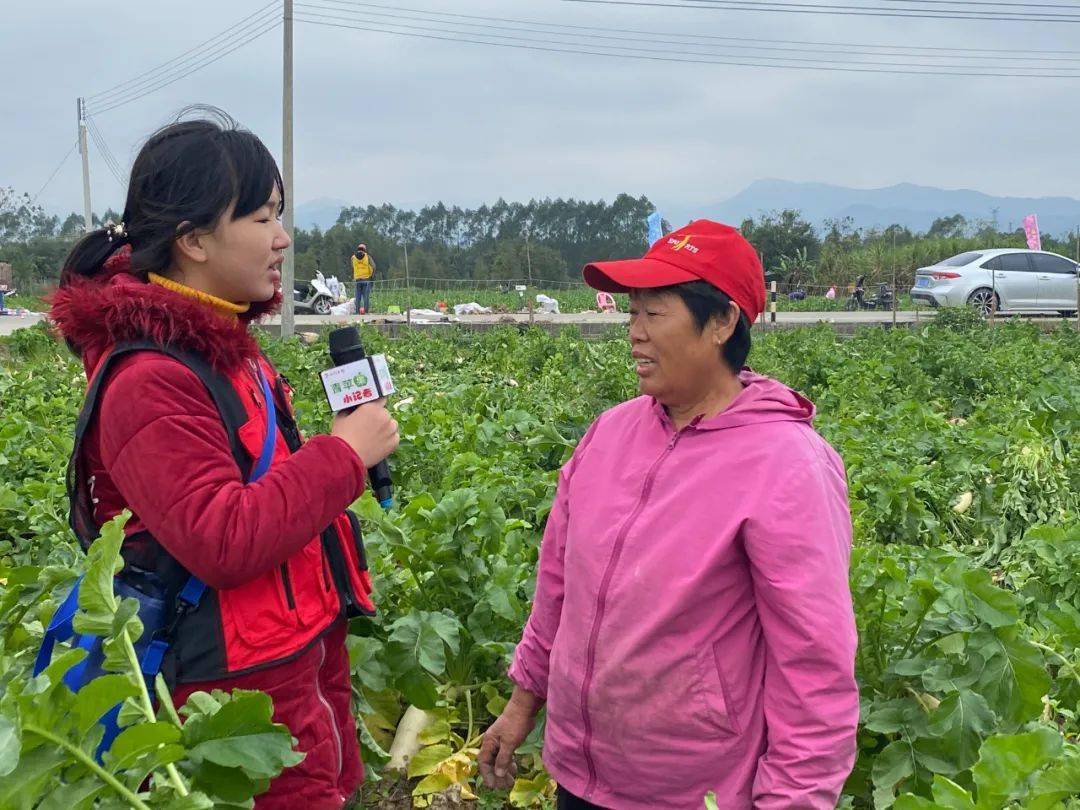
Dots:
(411, 121)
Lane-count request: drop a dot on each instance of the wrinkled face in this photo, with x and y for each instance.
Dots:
(244, 255)
(675, 361)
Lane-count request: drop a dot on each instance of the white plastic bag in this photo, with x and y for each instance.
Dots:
(547, 304)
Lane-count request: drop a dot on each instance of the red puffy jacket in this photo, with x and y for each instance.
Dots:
(159, 448)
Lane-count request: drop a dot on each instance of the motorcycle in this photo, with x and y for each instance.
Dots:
(884, 299)
(313, 296)
(857, 299)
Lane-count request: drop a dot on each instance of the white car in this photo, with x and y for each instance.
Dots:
(1021, 280)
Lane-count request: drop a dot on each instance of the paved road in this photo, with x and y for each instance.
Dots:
(9, 323)
(603, 318)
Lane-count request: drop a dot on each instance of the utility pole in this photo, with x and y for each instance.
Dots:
(288, 266)
(528, 257)
(895, 291)
(528, 270)
(408, 289)
(88, 214)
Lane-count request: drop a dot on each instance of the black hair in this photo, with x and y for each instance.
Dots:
(705, 302)
(183, 179)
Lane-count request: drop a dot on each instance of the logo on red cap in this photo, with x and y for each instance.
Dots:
(679, 244)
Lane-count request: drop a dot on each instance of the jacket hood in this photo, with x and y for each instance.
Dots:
(762, 400)
(94, 313)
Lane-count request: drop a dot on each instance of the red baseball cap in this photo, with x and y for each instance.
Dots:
(701, 251)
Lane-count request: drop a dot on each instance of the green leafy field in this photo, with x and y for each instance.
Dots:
(963, 451)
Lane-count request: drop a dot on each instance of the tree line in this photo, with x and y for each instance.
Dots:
(547, 240)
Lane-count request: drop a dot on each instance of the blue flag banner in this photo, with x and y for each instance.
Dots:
(655, 229)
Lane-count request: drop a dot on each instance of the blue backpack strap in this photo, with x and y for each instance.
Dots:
(267, 454)
(60, 628)
(75, 678)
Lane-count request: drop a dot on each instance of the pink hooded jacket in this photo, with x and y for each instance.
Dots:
(692, 628)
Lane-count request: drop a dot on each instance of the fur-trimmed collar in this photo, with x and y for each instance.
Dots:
(95, 313)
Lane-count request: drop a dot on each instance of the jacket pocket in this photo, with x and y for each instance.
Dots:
(258, 611)
(717, 691)
(313, 595)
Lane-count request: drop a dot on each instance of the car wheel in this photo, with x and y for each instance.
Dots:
(983, 300)
(321, 306)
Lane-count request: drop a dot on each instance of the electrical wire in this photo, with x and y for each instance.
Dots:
(56, 171)
(837, 10)
(152, 75)
(166, 81)
(111, 162)
(562, 47)
(683, 36)
(644, 42)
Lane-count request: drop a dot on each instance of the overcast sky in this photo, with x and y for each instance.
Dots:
(410, 121)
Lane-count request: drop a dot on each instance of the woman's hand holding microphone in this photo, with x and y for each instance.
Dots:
(369, 430)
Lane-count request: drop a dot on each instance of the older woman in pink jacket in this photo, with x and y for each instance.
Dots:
(692, 628)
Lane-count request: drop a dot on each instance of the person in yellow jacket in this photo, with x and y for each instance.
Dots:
(363, 268)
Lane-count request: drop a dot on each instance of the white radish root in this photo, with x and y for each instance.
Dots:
(964, 503)
(406, 739)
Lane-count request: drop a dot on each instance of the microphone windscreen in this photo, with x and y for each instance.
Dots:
(345, 345)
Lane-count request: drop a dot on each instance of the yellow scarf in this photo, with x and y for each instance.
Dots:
(220, 305)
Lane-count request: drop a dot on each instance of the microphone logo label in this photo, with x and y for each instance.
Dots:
(358, 382)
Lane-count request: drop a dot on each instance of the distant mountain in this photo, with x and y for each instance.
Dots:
(915, 207)
(322, 212)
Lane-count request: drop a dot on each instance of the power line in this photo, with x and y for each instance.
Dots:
(108, 164)
(56, 171)
(683, 37)
(650, 38)
(166, 81)
(125, 87)
(844, 11)
(955, 6)
(1072, 7)
(675, 58)
(106, 153)
(189, 65)
(103, 147)
(638, 53)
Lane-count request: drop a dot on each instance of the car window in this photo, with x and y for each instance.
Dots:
(1017, 262)
(992, 264)
(1045, 263)
(961, 259)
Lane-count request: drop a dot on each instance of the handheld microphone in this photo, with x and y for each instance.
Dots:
(365, 379)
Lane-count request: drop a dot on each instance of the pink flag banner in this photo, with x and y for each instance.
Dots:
(1031, 230)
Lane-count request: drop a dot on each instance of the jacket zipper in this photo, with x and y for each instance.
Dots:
(329, 708)
(286, 583)
(325, 570)
(601, 600)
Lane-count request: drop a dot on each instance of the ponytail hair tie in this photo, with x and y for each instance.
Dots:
(115, 231)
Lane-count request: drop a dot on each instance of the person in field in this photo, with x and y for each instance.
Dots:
(363, 267)
(692, 628)
(158, 309)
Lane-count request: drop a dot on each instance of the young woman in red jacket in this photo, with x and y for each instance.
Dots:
(197, 258)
